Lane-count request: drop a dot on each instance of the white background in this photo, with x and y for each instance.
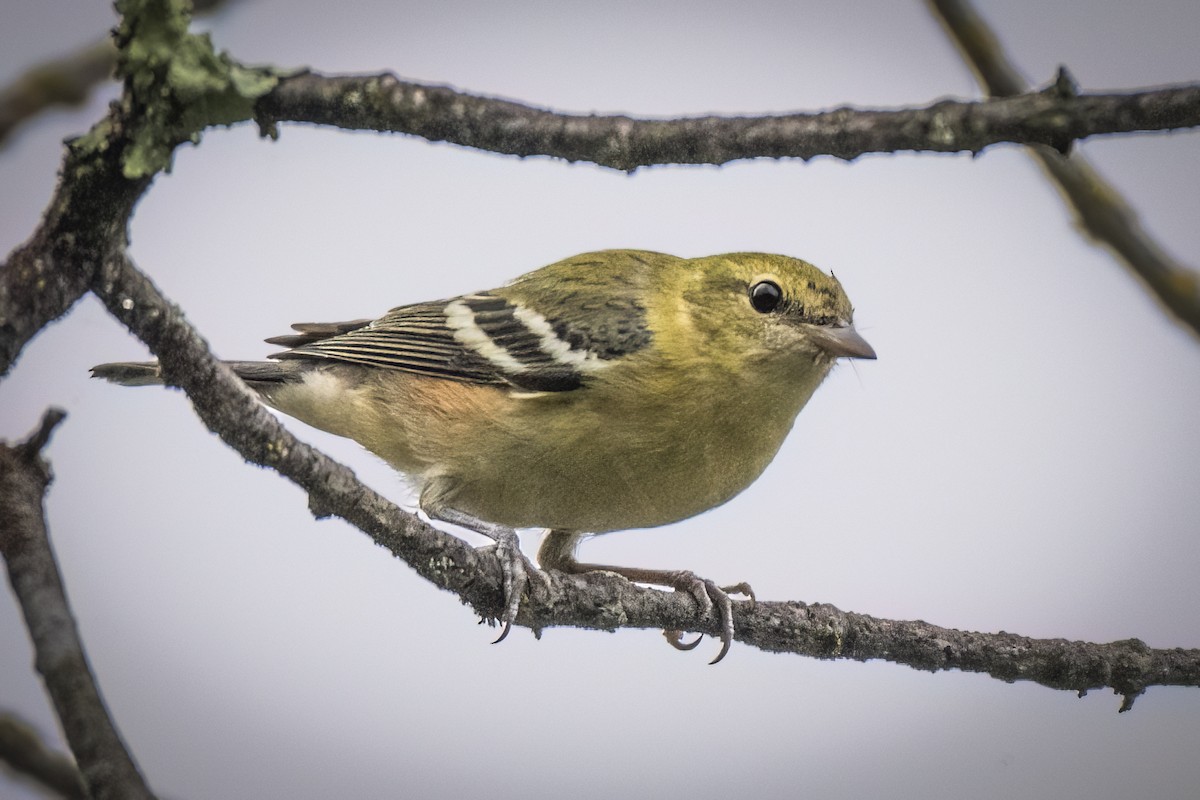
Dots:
(1023, 455)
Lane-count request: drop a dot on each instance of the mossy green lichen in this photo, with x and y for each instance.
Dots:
(177, 83)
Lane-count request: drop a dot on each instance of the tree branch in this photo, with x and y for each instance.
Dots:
(1054, 117)
(602, 600)
(231, 411)
(1099, 209)
(26, 754)
(85, 222)
(106, 766)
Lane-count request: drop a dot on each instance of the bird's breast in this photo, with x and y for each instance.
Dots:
(614, 457)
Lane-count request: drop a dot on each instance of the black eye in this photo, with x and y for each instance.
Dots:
(765, 296)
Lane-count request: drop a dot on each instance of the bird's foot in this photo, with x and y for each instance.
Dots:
(514, 566)
(558, 553)
(709, 597)
(517, 570)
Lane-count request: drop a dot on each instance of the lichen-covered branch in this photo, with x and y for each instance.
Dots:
(1055, 117)
(1127, 667)
(85, 222)
(1099, 207)
(181, 87)
(383, 102)
(65, 81)
(23, 750)
(106, 766)
(229, 409)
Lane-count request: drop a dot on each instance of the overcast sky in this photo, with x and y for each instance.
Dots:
(1023, 456)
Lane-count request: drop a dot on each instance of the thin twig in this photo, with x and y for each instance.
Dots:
(439, 113)
(106, 766)
(23, 750)
(1099, 209)
(63, 82)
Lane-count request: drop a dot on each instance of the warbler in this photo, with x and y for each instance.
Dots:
(611, 390)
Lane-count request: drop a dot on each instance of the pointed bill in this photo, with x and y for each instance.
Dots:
(842, 342)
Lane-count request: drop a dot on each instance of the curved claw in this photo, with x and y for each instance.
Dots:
(517, 569)
(557, 552)
(675, 639)
(514, 566)
(725, 645)
(709, 597)
(516, 578)
(724, 608)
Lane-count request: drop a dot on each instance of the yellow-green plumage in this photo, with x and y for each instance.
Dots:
(678, 425)
(619, 389)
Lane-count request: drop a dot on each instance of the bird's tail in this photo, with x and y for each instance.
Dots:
(148, 373)
(129, 373)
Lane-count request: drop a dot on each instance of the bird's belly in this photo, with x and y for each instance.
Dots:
(612, 478)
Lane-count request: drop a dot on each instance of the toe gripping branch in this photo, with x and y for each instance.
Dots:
(515, 567)
(558, 552)
(708, 596)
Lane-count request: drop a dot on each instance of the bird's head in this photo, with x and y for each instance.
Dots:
(762, 307)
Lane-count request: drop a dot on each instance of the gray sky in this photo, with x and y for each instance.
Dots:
(1023, 456)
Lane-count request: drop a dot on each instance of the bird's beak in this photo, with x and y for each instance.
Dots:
(843, 342)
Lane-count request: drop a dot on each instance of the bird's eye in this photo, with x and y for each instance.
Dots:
(765, 296)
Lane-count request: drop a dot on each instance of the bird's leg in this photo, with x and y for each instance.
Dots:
(558, 552)
(514, 565)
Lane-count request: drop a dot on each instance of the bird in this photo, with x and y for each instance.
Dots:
(612, 390)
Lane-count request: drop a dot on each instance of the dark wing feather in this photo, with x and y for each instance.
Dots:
(544, 332)
(410, 338)
(309, 332)
(420, 339)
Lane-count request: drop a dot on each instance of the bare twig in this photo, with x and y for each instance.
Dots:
(23, 750)
(439, 113)
(106, 766)
(1099, 208)
(64, 82)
